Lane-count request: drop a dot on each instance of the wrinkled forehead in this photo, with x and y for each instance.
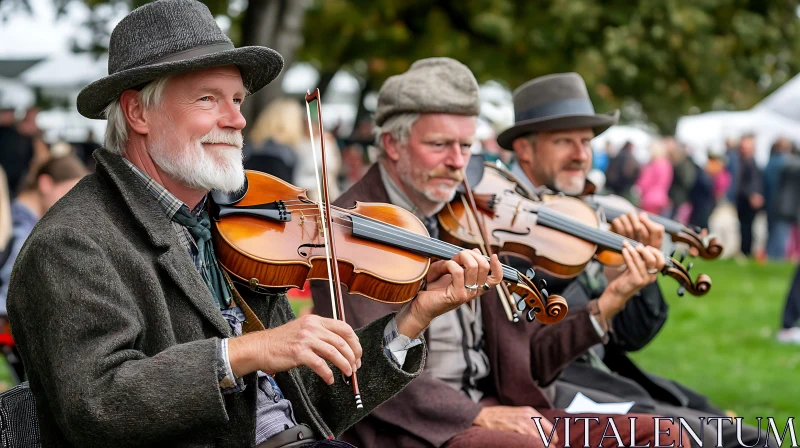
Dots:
(226, 79)
(448, 127)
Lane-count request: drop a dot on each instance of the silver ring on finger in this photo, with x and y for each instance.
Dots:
(486, 287)
(471, 287)
(652, 271)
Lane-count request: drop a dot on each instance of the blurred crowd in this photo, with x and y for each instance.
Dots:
(726, 195)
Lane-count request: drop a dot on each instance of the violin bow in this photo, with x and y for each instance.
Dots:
(324, 203)
(502, 289)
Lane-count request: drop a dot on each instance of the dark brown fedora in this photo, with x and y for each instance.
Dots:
(553, 102)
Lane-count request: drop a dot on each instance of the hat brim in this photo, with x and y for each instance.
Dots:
(258, 67)
(599, 123)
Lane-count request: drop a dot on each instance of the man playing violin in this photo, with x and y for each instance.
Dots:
(555, 123)
(483, 379)
(130, 332)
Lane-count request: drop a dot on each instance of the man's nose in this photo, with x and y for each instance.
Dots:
(457, 159)
(581, 153)
(232, 117)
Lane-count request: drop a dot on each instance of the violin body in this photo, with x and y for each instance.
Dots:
(513, 231)
(269, 253)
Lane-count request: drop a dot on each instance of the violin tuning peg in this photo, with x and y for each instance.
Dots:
(689, 267)
(545, 294)
(681, 291)
(530, 274)
(531, 316)
(683, 255)
(672, 253)
(542, 284)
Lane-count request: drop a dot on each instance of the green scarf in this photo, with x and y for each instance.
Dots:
(200, 229)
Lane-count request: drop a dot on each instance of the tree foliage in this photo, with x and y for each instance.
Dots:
(656, 59)
(671, 57)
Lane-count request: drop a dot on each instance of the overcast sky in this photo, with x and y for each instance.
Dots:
(40, 33)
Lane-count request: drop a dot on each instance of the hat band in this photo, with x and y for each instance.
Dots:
(570, 106)
(203, 50)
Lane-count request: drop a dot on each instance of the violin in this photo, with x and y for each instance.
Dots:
(560, 235)
(614, 206)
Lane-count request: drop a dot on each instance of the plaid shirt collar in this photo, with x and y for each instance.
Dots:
(168, 202)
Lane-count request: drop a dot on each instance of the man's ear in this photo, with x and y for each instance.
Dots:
(391, 146)
(523, 149)
(134, 112)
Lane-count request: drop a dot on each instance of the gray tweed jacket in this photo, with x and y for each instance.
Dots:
(119, 333)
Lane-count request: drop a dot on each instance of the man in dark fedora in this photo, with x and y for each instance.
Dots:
(128, 328)
(555, 123)
(485, 378)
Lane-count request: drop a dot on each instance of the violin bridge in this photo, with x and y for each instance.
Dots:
(516, 213)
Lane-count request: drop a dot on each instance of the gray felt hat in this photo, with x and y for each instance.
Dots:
(168, 37)
(432, 85)
(554, 102)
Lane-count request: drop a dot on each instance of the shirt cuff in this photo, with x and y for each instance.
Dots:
(600, 325)
(396, 345)
(228, 382)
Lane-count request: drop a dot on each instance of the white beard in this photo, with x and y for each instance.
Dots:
(410, 175)
(201, 168)
(573, 187)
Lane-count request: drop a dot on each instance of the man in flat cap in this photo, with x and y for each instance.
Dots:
(480, 388)
(128, 328)
(555, 123)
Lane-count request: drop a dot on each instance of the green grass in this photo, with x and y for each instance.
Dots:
(723, 344)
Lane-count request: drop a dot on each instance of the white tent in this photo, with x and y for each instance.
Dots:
(776, 116)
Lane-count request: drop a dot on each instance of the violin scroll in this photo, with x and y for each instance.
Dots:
(709, 250)
(680, 273)
(546, 308)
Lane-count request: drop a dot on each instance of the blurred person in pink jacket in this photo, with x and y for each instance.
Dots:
(655, 179)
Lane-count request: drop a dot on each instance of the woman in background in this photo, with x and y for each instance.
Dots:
(274, 139)
(654, 180)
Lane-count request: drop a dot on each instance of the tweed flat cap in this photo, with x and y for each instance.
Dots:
(433, 85)
(168, 37)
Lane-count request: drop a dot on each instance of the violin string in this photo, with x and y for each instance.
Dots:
(400, 237)
(569, 225)
(560, 221)
(605, 238)
(579, 229)
(670, 225)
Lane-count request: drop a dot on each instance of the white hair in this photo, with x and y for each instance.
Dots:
(116, 130)
(398, 126)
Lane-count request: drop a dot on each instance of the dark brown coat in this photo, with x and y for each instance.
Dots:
(428, 412)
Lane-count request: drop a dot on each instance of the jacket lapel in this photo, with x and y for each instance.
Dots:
(174, 260)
